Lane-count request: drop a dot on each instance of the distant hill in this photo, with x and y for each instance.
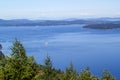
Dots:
(23, 22)
(95, 23)
(103, 26)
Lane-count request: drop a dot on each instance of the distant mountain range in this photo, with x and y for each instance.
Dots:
(25, 22)
(93, 23)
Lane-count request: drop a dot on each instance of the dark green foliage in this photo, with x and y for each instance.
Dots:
(18, 50)
(107, 76)
(47, 69)
(0, 46)
(2, 57)
(18, 66)
(86, 75)
(48, 62)
(71, 73)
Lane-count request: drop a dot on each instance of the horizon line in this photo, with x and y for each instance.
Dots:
(59, 18)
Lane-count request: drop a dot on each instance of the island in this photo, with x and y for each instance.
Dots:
(103, 26)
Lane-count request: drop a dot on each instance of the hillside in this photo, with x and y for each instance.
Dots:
(26, 22)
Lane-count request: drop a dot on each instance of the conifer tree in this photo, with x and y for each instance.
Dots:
(107, 75)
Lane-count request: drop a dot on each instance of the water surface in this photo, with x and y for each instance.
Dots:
(97, 49)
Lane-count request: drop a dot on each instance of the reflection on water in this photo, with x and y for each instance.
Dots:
(94, 48)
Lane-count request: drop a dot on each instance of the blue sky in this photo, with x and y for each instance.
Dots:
(46, 9)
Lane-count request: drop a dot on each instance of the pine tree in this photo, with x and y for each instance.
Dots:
(2, 63)
(47, 68)
(86, 75)
(107, 76)
(2, 57)
(19, 66)
(71, 73)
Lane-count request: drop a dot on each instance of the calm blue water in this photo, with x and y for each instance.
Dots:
(97, 49)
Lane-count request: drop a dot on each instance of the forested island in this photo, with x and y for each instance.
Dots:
(103, 26)
(99, 23)
(19, 66)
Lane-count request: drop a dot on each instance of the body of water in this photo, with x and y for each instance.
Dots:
(97, 49)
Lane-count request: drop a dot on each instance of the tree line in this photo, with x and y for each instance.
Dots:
(18, 66)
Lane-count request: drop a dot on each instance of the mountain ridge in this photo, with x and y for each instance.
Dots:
(87, 21)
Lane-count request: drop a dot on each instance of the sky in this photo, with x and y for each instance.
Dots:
(56, 9)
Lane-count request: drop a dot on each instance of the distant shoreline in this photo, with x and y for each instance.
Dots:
(107, 26)
(100, 23)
